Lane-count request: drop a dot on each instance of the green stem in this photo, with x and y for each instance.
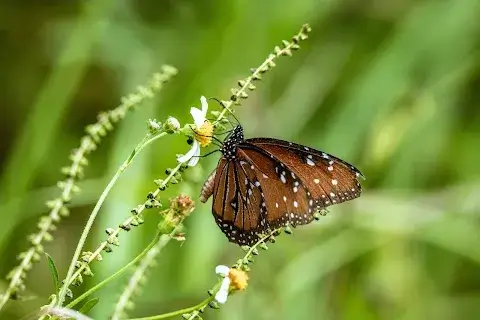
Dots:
(115, 233)
(249, 252)
(244, 88)
(118, 273)
(146, 140)
(178, 312)
(216, 287)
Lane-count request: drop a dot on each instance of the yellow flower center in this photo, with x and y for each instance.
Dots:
(238, 279)
(204, 134)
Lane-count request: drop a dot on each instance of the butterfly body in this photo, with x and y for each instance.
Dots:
(261, 184)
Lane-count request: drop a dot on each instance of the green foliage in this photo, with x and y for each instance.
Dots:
(54, 271)
(88, 305)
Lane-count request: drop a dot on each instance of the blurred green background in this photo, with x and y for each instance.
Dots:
(390, 86)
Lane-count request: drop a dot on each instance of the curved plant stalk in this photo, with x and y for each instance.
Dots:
(70, 274)
(158, 242)
(247, 84)
(73, 173)
(242, 264)
(140, 273)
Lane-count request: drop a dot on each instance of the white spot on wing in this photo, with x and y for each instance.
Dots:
(316, 181)
(310, 162)
(295, 204)
(334, 182)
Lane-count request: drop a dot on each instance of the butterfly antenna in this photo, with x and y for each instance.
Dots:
(225, 107)
(207, 154)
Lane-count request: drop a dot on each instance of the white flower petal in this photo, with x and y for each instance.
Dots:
(198, 116)
(195, 148)
(204, 102)
(222, 270)
(196, 156)
(222, 294)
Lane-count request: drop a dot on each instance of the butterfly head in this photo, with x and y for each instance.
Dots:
(229, 147)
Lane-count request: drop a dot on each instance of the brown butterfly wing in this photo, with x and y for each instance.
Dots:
(304, 178)
(237, 202)
(272, 183)
(285, 198)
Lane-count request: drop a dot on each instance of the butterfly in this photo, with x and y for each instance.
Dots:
(261, 184)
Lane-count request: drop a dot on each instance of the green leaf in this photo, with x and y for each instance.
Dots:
(132, 155)
(53, 270)
(89, 305)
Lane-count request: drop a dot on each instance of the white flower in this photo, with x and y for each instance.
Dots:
(233, 279)
(192, 156)
(222, 293)
(199, 116)
(203, 134)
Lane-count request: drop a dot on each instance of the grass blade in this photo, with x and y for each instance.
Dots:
(53, 270)
(88, 305)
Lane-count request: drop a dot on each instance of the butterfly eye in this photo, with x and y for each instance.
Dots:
(262, 184)
(190, 140)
